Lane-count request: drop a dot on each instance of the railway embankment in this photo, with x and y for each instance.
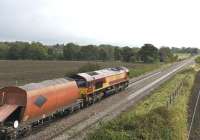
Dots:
(194, 110)
(162, 115)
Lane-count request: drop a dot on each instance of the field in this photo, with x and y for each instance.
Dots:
(153, 118)
(26, 71)
(182, 56)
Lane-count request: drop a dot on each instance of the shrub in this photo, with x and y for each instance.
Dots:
(197, 60)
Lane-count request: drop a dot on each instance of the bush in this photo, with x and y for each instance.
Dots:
(197, 60)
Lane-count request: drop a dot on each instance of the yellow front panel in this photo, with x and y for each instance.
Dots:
(83, 91)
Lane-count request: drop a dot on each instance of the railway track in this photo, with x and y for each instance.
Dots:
(77, 125)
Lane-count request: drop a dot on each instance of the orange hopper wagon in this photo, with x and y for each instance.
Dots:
(35, 101)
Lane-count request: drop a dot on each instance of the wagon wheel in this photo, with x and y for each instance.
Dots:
(28, 130)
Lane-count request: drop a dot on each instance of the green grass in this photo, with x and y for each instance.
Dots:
(137, 71)
(150, 119)
(182, 56)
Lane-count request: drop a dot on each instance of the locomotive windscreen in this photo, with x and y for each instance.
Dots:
(79, 81)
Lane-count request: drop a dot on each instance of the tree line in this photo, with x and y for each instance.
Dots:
(148, 53)
(185, 50)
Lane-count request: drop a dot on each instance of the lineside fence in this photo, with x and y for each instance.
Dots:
(177, 92)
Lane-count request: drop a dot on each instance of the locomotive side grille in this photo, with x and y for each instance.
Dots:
(40, 101)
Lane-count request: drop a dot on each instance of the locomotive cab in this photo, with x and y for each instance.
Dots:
(82, 84)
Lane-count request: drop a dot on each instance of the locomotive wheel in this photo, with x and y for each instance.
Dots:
(28, 131)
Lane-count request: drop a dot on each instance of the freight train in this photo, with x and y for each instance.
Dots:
(28, 106)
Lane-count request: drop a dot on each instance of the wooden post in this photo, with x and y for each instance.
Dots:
(167, 104)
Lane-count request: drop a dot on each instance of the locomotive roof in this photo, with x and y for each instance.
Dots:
(46, 83)
(89, 76)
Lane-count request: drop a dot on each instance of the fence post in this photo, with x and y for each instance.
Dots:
(167, 104)
(176, 93)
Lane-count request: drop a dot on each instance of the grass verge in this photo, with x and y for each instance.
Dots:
(195, 128)
(151, 119)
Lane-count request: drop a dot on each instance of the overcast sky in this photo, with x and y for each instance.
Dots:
(118, 22)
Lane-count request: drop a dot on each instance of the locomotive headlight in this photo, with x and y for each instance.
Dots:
(16, 124)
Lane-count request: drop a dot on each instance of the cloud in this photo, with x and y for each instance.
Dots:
(121, 22)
